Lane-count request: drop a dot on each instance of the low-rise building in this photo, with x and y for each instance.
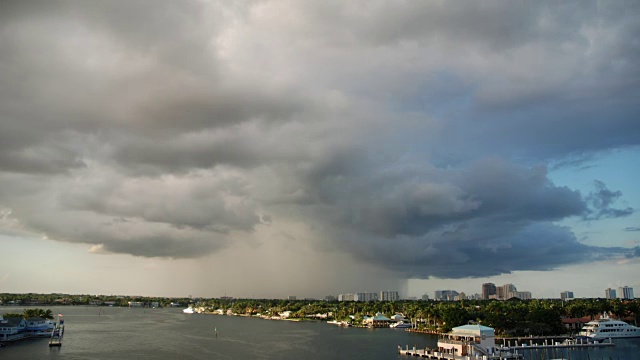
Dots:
(465, 340)
(575, 324)
(566, 295)
(12, 328)
(377, 321)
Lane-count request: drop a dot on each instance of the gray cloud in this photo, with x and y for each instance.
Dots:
(163, 129)
(602, 200)
(635, 253)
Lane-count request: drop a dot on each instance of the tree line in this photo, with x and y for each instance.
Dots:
(32, 313)
(511, 317)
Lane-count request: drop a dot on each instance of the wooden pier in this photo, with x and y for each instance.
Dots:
(437, 355)
(501, 352)
(57, 334)
(568, 343)
(550, 342)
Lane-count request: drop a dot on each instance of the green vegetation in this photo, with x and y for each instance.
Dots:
(31, 313)
(32, 299)
(509, 318)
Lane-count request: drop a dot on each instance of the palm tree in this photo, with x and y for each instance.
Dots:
(48, 314)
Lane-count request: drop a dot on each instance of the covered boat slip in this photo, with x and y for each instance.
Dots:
(478, 342)
(464, 342)
(468, 340)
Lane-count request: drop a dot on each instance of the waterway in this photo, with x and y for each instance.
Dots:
(137, 333)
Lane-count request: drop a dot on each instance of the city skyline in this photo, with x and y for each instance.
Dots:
(271, 148)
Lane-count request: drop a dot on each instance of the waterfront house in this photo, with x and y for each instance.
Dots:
(468, 340)
(37, 325)
(575, 324)
(377, 321)
(12, 328)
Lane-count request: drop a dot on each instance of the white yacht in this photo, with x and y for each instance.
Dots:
(188, 310)
(605, 327)
(401, 325)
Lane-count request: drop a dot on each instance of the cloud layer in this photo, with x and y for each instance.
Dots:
(414, 136)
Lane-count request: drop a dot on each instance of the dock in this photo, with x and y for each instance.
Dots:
(568, 343)
(438, 355)
(56, 335)
(502, 352)
(540, 342)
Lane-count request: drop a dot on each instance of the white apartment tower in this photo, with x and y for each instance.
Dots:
(367, 296)
(610, 293)
(625, 292)
(389, 296)
(509, 291)
(565, 295)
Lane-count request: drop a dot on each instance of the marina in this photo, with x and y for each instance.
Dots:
(516, 352)
(479, 342)
(433, 354)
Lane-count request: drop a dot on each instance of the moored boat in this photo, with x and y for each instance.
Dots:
(606, 327)
(401, 325)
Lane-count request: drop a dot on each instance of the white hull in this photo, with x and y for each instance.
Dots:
(607, 328)
(609, 335)
(400, 325)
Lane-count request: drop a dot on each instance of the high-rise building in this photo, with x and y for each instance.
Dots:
(346, 297)
(610, 293)
(509, 291)
(475, 296)
(448, 295)
(365, 296)
(461, 296)
(566, 295)
(625, 292)
(488, 289)
(523, 295)
(425, 297)
(389, 296)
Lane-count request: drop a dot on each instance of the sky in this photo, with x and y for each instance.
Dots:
(310, 148)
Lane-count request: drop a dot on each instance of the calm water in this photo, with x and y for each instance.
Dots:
(123, 333)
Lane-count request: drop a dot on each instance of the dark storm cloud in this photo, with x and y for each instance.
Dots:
(165, 247)
(482, 252)
(410, 202)
(491, 219)
(173, 129)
